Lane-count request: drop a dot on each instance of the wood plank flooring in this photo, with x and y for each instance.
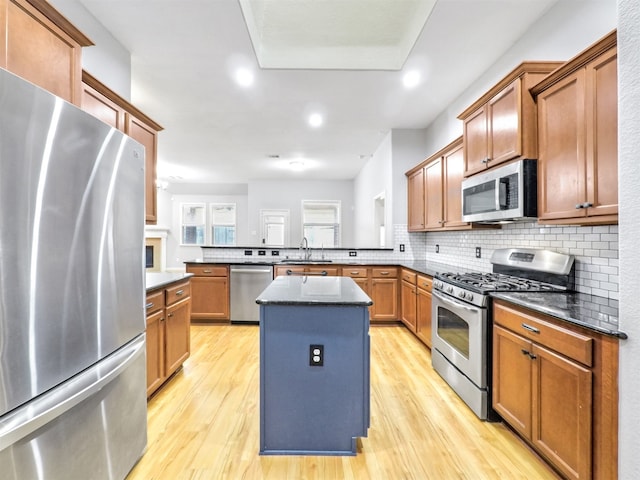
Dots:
(204, 423)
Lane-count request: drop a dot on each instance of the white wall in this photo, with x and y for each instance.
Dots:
(374, 178)
(629, 182)
(408, 149)
(288, 195)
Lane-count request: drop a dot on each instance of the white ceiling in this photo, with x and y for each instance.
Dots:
(184, 54)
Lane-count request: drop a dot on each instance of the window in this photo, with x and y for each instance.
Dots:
(193, 223)
(321, 223)
(223, 223)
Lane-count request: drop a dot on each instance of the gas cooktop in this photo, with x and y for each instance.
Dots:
(496, 282)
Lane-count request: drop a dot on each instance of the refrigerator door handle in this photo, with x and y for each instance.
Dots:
(42, 410)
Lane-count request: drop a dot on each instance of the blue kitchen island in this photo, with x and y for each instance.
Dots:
(314, 366)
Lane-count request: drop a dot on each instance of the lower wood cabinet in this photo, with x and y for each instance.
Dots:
(168, 336)
(209, 292)
(416, 304)
(423, 309)
(384, 293)
(381, 284)
(408, 294)
(556, 385)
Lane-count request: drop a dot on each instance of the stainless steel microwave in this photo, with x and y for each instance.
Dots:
(506, 193)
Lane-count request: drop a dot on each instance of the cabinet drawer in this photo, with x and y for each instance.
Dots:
(207, 270)
(354, 272)
(564, 341)
(386, 272)
(155, 301)
(178, 292)
(425, 282)
(409, 276)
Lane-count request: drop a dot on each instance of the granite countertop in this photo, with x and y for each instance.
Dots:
(595, 313)
(160, 279)
(304, 290)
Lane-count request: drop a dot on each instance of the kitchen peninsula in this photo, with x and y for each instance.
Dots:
(314, 366)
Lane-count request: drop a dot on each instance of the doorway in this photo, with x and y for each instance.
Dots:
(274, 228)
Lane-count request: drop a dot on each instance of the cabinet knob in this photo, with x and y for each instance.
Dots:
(587, 205)
(485, 161)
(169, 315)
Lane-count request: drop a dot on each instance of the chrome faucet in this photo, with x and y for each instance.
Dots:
(305, 244)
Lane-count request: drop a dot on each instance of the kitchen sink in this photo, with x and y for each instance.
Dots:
(302, 260)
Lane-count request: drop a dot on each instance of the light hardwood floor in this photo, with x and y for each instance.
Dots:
(204, 423)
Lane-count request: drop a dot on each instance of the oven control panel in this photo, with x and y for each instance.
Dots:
(461, 294)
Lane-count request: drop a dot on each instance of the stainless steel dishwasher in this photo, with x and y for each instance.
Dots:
(247, 282)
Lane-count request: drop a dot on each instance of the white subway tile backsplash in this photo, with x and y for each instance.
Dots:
(595, 248)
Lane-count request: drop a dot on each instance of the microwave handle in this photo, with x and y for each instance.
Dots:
(501, 194)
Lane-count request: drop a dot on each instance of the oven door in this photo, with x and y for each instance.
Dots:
(460, 335)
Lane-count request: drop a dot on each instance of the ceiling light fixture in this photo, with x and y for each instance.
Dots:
(244, 77)
(296, 165)
(411, 79)
(315, 120)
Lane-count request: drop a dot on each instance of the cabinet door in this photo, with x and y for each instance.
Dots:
(504, 112)
(384, 293)
(148, 137)
(562, 406)
(433, 195)
(453, 175)
(512, 377)
(101, 107)
(37, 49)
(177, 335)
(602, 135)
(209, 298)
(155, 351)
(416, 200)
(562, 149)
(408, 300)
(423, 316)
(476, 149)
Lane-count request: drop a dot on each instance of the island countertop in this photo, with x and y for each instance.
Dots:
(307, 290)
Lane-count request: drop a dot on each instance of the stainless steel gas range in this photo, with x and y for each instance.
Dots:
(461, 316)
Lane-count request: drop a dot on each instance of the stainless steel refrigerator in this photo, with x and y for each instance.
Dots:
(72, 343)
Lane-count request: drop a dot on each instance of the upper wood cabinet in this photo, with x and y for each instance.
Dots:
(108, 106)
(415, 190)
(578, 130)
(38, 44)
(501, 125)
(435, 191)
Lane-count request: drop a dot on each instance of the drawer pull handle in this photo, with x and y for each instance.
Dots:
(169, 315)
(179, 292)
(530, 328)
(354, 273)
(149, 305)
(485, 161)
(207, 270)
(162, 319)
(384, 273)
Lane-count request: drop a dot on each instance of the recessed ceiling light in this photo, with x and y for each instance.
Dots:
(411, 79)
(296, 165)
(315, 119)
(244, 77)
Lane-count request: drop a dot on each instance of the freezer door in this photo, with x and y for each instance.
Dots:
(71, 240)
(91, 427)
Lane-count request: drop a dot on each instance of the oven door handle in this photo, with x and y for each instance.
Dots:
(455, 303)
